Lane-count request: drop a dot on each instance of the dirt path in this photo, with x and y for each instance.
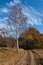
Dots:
(31, 60)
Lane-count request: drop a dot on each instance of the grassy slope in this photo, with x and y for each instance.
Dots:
(9, 53)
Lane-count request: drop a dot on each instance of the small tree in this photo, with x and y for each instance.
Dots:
(18, 20)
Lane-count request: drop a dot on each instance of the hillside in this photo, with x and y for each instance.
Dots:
(9, 56)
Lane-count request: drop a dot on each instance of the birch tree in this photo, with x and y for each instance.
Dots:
(18, 20)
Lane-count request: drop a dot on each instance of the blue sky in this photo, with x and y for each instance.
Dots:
(32, 9)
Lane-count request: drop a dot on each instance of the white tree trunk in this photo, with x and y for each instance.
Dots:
(17, 38)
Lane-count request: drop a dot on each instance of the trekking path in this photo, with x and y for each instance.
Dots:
(30, 58)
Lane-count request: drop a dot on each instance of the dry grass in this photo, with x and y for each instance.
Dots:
(9, 53)
(41, 52)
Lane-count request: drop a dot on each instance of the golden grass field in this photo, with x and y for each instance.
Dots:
(10, 55)
(7, 54)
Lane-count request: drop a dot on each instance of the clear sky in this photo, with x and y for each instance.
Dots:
(32, 9)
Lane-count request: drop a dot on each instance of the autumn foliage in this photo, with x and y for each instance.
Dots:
(29, 39)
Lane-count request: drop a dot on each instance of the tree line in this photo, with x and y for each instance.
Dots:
(29, 39)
